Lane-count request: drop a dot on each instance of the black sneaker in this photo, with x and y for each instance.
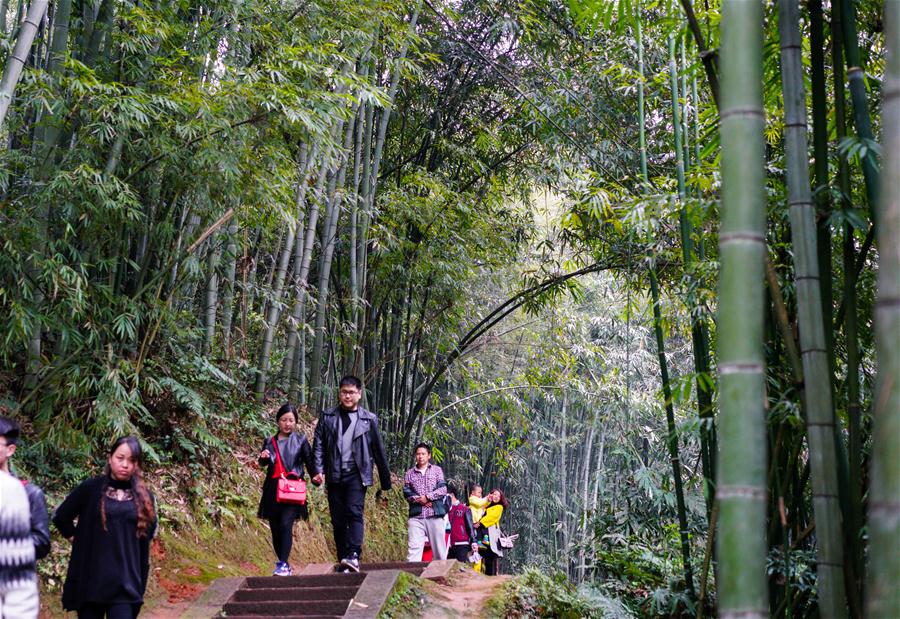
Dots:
(351, 562)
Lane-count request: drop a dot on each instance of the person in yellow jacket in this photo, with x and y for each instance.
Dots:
(477, 504)
(489, 532)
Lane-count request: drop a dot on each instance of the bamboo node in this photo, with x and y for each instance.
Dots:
(741, 368)
(745, 112)
(741, 237)
(741, 492)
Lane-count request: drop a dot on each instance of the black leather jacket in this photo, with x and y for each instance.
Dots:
(294, 455)
(367, 447)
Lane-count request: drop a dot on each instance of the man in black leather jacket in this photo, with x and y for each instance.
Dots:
(345, 447)
(40, 519)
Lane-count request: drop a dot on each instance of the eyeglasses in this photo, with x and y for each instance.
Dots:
(349, 391)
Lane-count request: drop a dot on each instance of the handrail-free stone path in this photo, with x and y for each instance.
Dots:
(317, 592)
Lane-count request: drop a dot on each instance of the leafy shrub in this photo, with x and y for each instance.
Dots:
(540, 594)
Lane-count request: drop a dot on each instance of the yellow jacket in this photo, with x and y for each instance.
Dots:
(492, 516)
(477, 505)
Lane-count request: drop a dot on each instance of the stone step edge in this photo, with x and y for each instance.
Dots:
(438, 571)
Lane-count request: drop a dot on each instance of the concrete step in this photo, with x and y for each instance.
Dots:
(392, 565)
(287, 609)
(320, 580)
(295, 593)
(415, 568)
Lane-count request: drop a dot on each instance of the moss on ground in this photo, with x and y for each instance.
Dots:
(407, 599)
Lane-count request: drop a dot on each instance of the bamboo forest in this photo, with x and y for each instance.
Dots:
(634, 264)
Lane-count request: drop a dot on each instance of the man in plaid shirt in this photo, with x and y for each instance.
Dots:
(425, 488)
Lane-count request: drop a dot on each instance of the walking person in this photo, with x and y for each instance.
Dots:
(462, 529)
(37, 504)
(18, 579)
(116, 519)
(489, 532)
(425, 488)
(346, 446)
(284, 455)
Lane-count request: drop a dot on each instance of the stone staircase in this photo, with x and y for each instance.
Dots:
(317, 592)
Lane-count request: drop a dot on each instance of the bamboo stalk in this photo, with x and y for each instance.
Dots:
(741, 489)
(820, 426)
(19, 56)
(884, 490)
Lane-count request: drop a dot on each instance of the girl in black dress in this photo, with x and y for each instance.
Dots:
(293, 453)
(116, 517)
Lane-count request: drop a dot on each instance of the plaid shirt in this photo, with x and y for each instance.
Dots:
(424, 483)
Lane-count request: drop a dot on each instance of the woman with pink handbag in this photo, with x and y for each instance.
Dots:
(284, 490)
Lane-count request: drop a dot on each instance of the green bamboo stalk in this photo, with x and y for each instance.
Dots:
(854, 512)
(672, 439)
(700, 347)
(642, 137)
(857, 83)
(231, 257)
(19, 56)
(884, 489)
(817, 384)
(741, 489)
(820, 169)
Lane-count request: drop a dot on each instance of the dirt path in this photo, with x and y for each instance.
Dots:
(465, 597)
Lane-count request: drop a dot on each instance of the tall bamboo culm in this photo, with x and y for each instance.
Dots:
(884, 489)
(820, 429)
(741, 470)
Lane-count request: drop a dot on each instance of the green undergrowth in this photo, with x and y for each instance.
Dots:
(535, 593)
(407, 599)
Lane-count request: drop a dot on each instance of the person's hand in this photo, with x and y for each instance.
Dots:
(422, 500)
(264, 454)
(72, 539)
(474, 547)
(427, 504)
(318, 478)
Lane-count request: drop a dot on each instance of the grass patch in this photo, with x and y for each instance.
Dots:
(407, 599)
(538, 594)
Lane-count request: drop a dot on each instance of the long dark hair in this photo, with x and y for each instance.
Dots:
(145, 512)
(502, 500)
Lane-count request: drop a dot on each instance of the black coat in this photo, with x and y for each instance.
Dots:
(106, 565)
(367, 447)
(295, 455)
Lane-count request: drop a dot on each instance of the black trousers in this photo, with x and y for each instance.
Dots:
(460, 552)
(346, 502)
(119, 610)
(491, 562)
(282, 526)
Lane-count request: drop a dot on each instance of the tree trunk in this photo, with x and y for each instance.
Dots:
(741, 489)
(817, 381)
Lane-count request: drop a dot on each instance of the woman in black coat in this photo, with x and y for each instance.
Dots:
(116, 520)
(295, 453)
